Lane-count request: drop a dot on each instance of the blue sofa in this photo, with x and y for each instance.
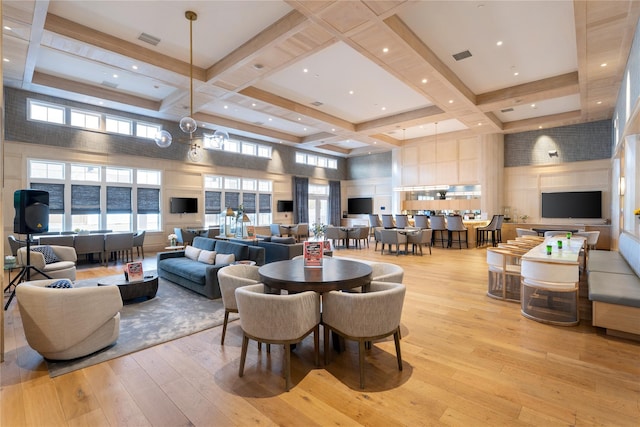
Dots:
(614, 287)
(198, 276)
(280, 248)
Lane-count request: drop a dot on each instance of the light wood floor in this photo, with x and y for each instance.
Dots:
(468, 360)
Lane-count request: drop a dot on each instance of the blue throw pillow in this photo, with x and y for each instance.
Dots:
(59, 284)
(49, 256)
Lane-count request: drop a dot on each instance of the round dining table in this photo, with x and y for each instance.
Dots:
(334, 274)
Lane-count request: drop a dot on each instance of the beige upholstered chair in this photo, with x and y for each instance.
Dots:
(300, 231)
(65, 268)
(420, 238)
(63, 324)
(387, 221)
(364, 317)
(386, 272)
(421, 221)
(15, 244)
(335, 234)
(359, 235)
(277, 319)
(402, 221)
(231, 278)
(392, 237)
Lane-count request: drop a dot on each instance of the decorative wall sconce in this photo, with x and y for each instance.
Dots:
(553, 153)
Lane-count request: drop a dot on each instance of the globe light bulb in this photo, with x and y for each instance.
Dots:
(188, 125)
(220, 137)
(163, 139)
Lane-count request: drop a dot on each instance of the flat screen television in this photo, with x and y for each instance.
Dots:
(285, 206)
(360, 205)
(183, 205)
(572, 204)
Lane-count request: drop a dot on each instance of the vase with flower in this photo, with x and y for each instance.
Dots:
(173, 239)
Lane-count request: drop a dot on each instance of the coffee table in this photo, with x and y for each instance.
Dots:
(147, 287)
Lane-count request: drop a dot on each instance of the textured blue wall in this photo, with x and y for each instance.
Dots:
(370, 166)
(574, 143)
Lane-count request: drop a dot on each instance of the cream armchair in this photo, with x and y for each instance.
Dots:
(63, 269)
(63, 324)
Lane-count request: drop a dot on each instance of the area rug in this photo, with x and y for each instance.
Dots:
(175, 312)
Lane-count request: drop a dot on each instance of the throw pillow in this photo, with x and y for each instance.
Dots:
(225, 258)
(60, 284)
(208, 257)
(192, 253)
(49, 256)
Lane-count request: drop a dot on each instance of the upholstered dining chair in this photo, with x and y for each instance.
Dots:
(275, 230)
(359, 235)
(420, 238)
(89, 245)
(335, 234)
(392, 237)
(66, 240)
(278, 319)
(402, 221)
(421, 221)
(438, 225)
(364, 317)
(63, 324)
(503, 274)
(300, 231)
(387, 221)
(118, 244)
(138, 242)
(386, 272)
(231, 278)
(455, 225)
(482, 233)
(15, 244)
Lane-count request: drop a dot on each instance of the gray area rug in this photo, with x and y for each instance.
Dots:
(175, 312)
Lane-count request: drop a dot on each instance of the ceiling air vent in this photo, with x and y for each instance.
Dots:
(258, 123)
(316, 103)
(506, 110)
(109, 84)
(462, 55)
(148, 38)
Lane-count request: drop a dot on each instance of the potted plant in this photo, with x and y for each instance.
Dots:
(524, 218)
(318, 230)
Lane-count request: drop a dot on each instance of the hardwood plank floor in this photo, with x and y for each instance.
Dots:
(468, 360)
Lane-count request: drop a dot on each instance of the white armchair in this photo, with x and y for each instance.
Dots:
(231, 278)
(63, 324)
(65, 268)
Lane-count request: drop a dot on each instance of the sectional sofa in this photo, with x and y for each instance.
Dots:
(196, 267)
(614, 287)
(280, 248)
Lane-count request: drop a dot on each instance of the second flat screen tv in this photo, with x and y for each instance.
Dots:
(572, 204)
(285, 206)
(360, 205)
(183, 205)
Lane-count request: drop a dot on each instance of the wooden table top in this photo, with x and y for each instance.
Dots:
(569, 253)
(334, 274)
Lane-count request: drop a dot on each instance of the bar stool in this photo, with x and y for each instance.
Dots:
(455, 225)
(438, 226)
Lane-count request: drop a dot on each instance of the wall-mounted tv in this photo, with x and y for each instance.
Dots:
(285, 206)
(360, 205)
(572, 204)
(183, 205)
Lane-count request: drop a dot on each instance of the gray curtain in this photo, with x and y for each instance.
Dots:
(334, 203)
(300, 199)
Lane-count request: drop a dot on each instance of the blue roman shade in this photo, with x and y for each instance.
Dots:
(85, 199)
(249, 202)
(264, 203)
(212, 202)
(232, 199)
(148, 200)
(119, 200)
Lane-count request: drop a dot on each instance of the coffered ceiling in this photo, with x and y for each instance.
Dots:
(339, 77)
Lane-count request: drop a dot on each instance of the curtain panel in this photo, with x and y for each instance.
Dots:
(300, 199)
(335, 198)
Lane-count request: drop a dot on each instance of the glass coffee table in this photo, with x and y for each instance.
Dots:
(129, 290)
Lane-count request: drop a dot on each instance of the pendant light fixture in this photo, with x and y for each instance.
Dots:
(188, 124)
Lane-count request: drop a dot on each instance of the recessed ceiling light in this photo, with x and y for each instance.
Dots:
(333, 129)
(604, 64)
(115, 76)
(540, 127)
(135, 67)
(385, 50)
(350, 92)
(304, 129)
(533, 105)
(6, 59)
(299, 118)
(8, 28)
(451, 101)
(516, 73)
(270, 119)
(253, 104)
(424, 81)
(384, 108)
(599, 102)
(226, 107)
(375, 142)
(499, 43)
(305, 70)
(479, 124)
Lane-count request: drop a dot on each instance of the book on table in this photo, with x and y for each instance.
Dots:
(134, 271)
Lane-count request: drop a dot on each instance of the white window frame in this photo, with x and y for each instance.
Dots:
(50, 110)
